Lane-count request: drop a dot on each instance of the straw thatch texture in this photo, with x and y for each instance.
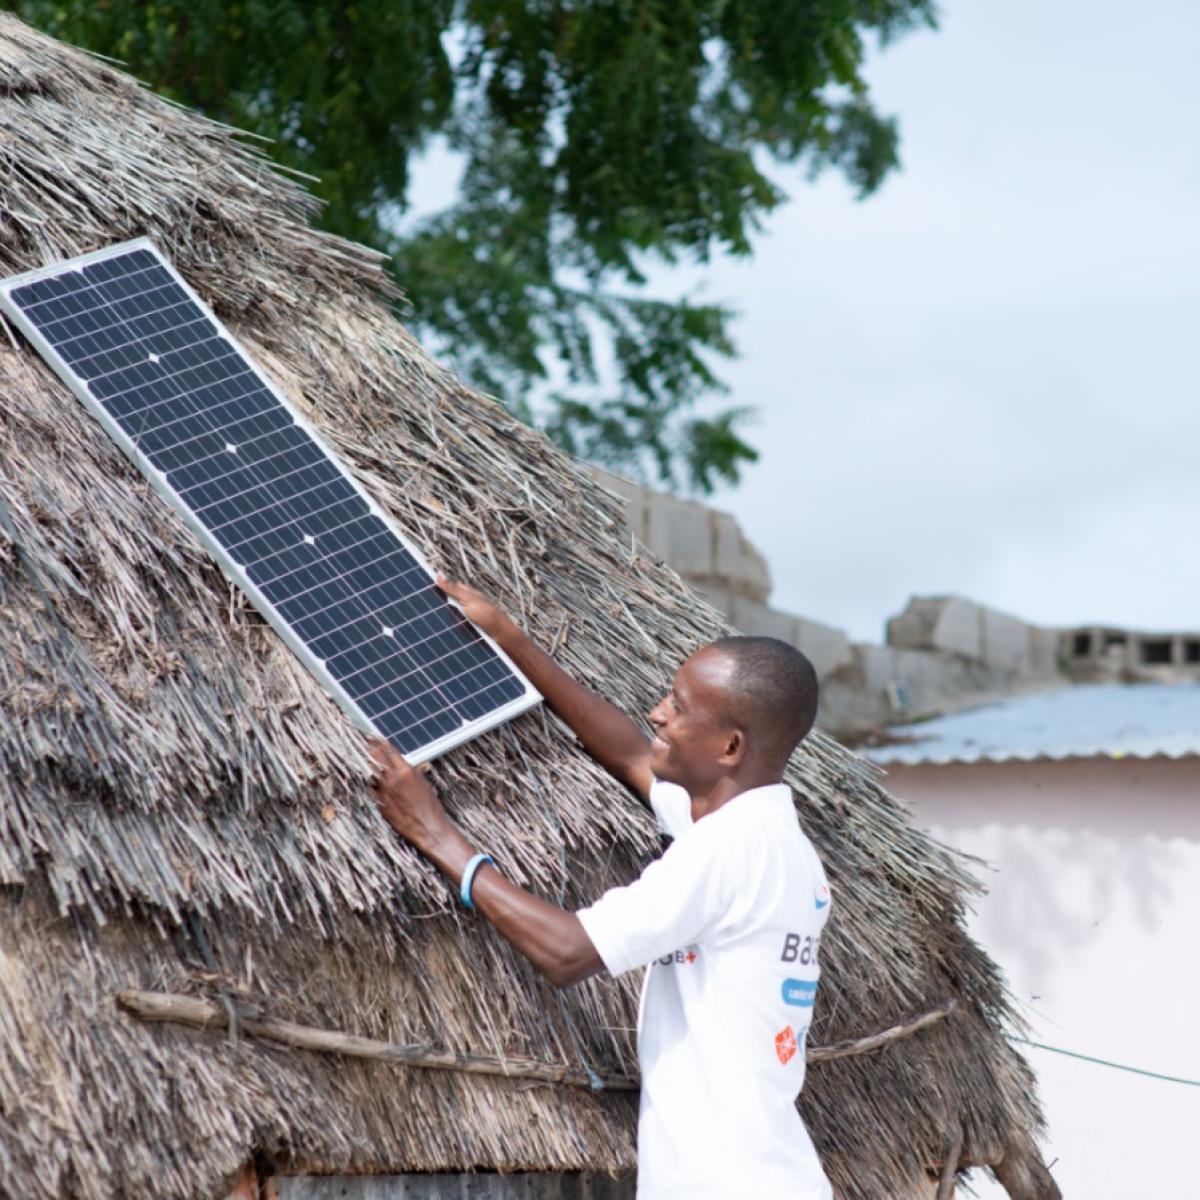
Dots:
(178, 792)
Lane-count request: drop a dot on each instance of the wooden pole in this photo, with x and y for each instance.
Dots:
(203, 1014)
(950, 1167)
(817, 1054)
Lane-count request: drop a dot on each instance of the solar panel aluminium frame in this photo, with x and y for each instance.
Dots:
(157, 479)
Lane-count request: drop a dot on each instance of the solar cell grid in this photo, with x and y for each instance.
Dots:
(325, 567)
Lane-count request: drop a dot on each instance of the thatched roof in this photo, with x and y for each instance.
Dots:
(177, 790)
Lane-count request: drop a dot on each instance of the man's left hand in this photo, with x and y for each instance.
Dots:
(555, 941)
(406, 801)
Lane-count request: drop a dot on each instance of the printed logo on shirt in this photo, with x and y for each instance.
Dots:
(799, 992)
(800, 949)
(785, 1045)
(821, 898)
(685, 957)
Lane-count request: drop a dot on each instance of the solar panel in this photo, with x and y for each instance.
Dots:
(318, 558)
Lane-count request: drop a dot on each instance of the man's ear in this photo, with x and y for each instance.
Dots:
(736, 747)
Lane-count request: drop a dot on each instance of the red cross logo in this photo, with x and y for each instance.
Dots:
(691, 956)
(785, 1045)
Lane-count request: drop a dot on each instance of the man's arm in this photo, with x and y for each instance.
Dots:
(552, 939)
(607, 733)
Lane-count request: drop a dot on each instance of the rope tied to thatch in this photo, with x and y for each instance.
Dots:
(204, 1014)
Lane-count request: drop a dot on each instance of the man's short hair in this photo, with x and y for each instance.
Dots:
(771, 691)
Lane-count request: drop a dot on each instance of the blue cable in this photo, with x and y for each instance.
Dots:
(1104, 1062)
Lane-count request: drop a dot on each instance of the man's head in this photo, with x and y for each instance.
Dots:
(738, 708)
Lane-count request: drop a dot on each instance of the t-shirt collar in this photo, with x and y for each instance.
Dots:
(774, 794)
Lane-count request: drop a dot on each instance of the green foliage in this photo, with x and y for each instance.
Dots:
(593, 134)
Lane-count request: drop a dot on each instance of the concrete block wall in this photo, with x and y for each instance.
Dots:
(954, 625)
(827, 648)
(1044, 648)
(938, 623)
(885, 685)
(1007, 642)
(942, 652)
(705, 546)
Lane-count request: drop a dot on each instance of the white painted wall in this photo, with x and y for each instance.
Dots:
(1094, 913)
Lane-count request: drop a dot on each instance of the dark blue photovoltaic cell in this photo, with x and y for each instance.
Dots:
(268, 493)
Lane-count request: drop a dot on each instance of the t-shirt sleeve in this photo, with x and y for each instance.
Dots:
(677, 901)
(672, 806)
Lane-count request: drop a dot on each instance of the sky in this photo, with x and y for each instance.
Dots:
(981, 380)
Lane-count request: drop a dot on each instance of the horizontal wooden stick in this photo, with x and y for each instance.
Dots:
(862, 1045)
(191, 1010)
(203, 1014)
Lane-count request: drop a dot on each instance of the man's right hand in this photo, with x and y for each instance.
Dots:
(475, 605)
(609, 735)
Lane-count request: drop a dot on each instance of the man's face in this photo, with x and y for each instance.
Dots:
(691, 731)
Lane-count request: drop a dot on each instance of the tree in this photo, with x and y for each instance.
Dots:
(593, 134)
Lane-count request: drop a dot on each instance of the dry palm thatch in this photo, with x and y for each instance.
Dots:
(183, 809)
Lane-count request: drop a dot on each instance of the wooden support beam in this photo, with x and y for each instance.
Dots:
(950, 1167)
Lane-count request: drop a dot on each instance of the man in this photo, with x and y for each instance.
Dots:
(729, 919)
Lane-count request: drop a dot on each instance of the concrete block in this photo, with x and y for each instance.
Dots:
(827, 648)
(1005, 642)
(1045, 646)
(959, 628)
(736, 562)
(721, 598)
(760, 621)
(636, 514)
(618, 484)
(912, 629)
(947, 623)
(933, 681)
(874, 665)
(633, 494)
(679, 531)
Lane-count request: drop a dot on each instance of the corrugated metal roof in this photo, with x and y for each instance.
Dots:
(1109, 720)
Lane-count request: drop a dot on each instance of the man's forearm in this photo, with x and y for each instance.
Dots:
(553, 940)
(608, 734)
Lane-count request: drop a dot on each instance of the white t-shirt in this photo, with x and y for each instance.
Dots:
(729, 920)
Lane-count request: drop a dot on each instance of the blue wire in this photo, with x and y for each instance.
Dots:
(1104, 1062)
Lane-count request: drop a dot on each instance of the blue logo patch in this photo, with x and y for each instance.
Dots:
(821, 903)
(799, 992)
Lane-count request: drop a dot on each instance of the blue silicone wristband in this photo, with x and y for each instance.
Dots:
(469, 877)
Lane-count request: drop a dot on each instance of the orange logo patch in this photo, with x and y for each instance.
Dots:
(785, 1045)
